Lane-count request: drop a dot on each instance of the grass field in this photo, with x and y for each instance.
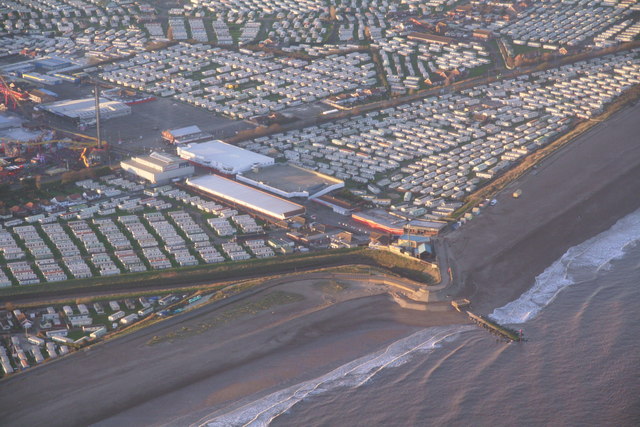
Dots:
(403, 266)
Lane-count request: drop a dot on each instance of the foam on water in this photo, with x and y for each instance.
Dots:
(579, 264)
(353, 374)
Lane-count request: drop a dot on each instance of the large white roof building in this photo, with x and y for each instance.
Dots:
(223, 157)
(289, 181)
(158, 167)
(84, 110)
(246, 197)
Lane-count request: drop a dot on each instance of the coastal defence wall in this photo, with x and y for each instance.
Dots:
(427, 306)
(409, 291)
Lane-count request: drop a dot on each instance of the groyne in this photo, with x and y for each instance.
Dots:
(495, 328)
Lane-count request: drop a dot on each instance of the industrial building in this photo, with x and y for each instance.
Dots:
(246, 197)
(185, 135)
(381, 220)
(424, 227)
(289, 181)
(40, 96)
(51, 63)
(223, 157)
(84, 112)
(338, 206)
(44, 79)
(430, 38)
(158, 168)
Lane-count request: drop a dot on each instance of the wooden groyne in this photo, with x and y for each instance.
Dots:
(495, 328)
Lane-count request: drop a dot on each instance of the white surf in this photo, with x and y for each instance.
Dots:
(353, 374)
(579, 264)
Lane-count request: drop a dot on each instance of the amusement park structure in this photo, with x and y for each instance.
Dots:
(11, 95)
(92, 149)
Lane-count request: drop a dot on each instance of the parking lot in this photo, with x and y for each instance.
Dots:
(140, 131)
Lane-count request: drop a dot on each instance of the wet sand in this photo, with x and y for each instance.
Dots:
(128, 382)
(576, 193)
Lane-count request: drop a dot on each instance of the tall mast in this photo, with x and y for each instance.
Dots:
(96, 91)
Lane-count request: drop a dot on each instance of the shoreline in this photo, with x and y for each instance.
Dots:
(586, 186)
(572, 195)
(225, 361)
(628, 100)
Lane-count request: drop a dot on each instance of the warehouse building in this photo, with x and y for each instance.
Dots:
(185, 135)
(83, 111)
(291, 181)
(52, 63)
(381, 220)
(245, 197)
(223, 157)
(424, 227)
(158, 168)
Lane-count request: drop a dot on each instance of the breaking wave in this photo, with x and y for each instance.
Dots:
(352, 375)
(579, 264)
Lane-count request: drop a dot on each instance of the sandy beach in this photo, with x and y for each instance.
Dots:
(574, 194)
(176, 371)
(214, 356)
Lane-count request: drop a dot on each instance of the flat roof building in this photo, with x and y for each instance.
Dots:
(158, 167)
(246, 197)
(341, 207)
(84, 110)
(185, 135)
(430, 38)
(381, 220)
(44, 79)
(424, 227)
(42, 95)
(223, 157)
(51, 63)
(291, 181)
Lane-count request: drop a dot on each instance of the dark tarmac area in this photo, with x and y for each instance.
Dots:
(140, 131)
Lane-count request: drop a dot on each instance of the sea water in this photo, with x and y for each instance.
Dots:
(579, 366)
